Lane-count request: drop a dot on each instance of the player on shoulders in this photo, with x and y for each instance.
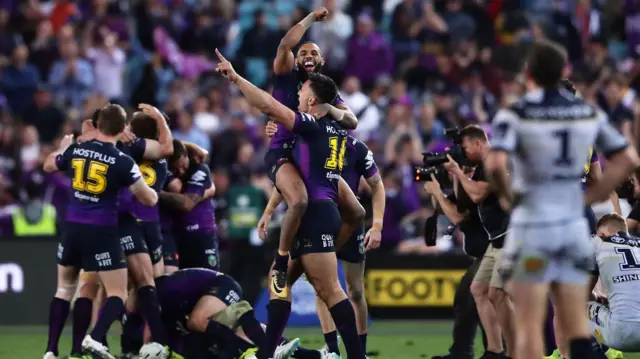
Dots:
(359, 164)
(546, 135)
(319, 155)
(290, 72)
(91, 240)
(616, 252)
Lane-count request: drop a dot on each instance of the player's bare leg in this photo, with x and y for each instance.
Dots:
(59, 310)
(571, 301)
(294, 191)
(530, 308)
(505, 312)
(170, 269)
(351, 212)
(158, 268)
(561, 338)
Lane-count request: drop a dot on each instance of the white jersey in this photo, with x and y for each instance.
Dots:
(618, 265)
(549, 135)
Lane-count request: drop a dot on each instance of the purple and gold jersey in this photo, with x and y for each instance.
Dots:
(319, 154)
(99, 172)
(201, 218)
(155, 174)
(166, 213)
(285, 90)
(359, 162)
(134, 150)
(593, 158)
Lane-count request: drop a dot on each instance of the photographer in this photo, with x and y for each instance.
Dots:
(494, 306)
(463, 214)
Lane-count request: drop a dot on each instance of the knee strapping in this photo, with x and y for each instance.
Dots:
(66, 291)
(230, 315)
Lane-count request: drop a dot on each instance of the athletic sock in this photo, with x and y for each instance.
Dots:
(132, 333)
(549, 334)
(332, 342)
(281, 262)
(224, 334)
(580, 348)
(150, 309)
(252, 328)
(58, 313)
(111, 310)
(278, 312)
(82, 310)
(345, 320)
(363, 342)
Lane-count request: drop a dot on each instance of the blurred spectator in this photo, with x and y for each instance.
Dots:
(331, 36)
(460, 25)
(30, 151)
(45, 116)
(259, 46)
(366, 111)
(20, 81)
(227, 142)
(108, 65)
(43, 49)
(9, 38)
(369, 54)
(71, 78)
(619, 114)
(203, 118)
(188, 132)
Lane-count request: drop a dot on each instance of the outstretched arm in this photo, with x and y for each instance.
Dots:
(283, 63)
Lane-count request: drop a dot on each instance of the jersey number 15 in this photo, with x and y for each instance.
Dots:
(95, 182)
(336, 158)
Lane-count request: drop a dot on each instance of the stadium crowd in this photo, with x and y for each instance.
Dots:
(408, 70)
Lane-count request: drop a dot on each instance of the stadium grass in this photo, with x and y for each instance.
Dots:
(386, 340)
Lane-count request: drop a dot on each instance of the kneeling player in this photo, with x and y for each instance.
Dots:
(616, 325)
(208, 309)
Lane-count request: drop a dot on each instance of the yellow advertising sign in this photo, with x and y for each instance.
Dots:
(411, 288)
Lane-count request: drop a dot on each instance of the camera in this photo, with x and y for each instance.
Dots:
(432, 161)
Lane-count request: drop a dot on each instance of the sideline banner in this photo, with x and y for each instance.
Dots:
(28, 278)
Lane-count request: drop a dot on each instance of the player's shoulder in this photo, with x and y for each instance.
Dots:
(199, 173)
(305, 117)
(621, 238)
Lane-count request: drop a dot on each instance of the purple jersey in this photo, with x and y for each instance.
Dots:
(99, 172)
(319, 154)
(593, 161)
(134, 150)
(201, 218)
(285, 90)
(57, 192)
(165, 212)
(359, 163)
(180, 291)
(155, 174)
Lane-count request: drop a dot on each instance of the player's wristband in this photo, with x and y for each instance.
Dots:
(377, 224)
(268, 211)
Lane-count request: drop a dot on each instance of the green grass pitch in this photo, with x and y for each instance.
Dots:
(387, 340)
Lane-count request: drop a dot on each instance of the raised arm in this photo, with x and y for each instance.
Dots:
(283, 63)
(163, 147)
(54, 161)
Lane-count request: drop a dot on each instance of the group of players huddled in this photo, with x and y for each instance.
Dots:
(140, 237)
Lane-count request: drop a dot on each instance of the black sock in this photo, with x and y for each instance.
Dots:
(598, 351)
(82, 310)
(363, 342)
(150, 309)
(580, 348)
(252, 328)
(549, 333)
(58, 313)
(304, 353)
(345, 320)
(331, 339)
(278, 315)
(281, 262)
(224, 334)
(132, 333)
(111, 310)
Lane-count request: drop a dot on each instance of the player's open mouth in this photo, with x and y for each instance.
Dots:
(309, 65)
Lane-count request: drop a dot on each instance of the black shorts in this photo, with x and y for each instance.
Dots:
(274, 159)
(169, 249)
(198, 250)
(153, 238)
(91, 247)
(131, 238)
(353, 250)
(318, 230)
(227, 290)
(591, 218)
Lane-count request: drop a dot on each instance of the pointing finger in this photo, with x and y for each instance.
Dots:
(220, 57)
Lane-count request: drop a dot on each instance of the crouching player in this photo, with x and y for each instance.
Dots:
(205, 316)
(617, 253)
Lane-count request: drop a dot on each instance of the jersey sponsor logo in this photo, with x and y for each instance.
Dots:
(94, 155)
(369, 160)
(412, 288)
(199, 176)
(11, 278)
(617, 239)
(625, 278)
(533, 264)
(306, 117)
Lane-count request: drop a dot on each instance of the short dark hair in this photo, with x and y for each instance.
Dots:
(568, 85)
(546, 63)
(323, 87)
(179, 150)
(112, 119)
(473, 132)
(613, 221)
(94, 118)
(143, 126)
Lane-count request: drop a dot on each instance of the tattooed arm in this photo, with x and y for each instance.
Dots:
(497, 167)
(181, 201)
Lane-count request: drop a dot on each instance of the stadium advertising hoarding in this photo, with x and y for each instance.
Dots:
(27, 279)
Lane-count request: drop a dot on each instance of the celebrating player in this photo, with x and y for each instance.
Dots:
(91, 240)
(547, 134)
(319, 154)
(290, 73)
(359, 164)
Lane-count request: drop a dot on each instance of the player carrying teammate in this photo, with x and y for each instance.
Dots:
(547, 134)
(319, 154)
(290, 72)
(359, 164)
(91, 240)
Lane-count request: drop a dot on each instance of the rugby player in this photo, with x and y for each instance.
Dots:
(290, 72)
(359, 164)
(616, 252)
(547, 134)
(91, 238)
(319, 154)
(208, 309)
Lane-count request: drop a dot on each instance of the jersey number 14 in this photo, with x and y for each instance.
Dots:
(336, 158)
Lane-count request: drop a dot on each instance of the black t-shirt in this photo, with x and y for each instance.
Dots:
(476, 240)
(493, 218)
